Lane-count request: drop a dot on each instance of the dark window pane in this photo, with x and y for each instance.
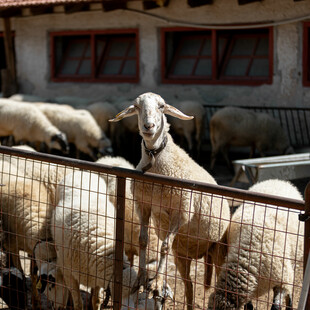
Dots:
(132, 50)
(236, 67)
(118, 48)
(190, 47)
(207, 48)
(243, 46)
(240, 55)
(130, 67)
(85, 68)
(184, 67)
(112, 67)
(204, 67)
(70, 67)
(263, 47)
(114, 55)
(260, 67)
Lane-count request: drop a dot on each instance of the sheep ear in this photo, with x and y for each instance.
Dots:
(130, 111)
(170, 110)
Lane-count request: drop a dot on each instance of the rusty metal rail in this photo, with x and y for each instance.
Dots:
(122, 174)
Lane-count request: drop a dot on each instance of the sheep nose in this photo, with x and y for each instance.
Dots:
(149, 126)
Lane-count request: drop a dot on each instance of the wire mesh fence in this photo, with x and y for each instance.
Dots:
(70, 237)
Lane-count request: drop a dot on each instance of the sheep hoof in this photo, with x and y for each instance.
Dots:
(159, 300)
(249, 306)
(275, 307)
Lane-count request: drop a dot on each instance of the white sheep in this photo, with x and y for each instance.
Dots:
(132, 221)
(84, 235)
(27, 98)
(26, 210)
(233, 126)
(80, 127)
(27, 123)
(189, 222)
(192, 130)
(264, 243)
(46, 173)
(102, 112)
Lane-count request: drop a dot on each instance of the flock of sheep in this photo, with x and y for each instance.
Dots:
(79, 206)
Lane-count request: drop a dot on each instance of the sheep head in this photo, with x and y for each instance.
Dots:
(150, 108)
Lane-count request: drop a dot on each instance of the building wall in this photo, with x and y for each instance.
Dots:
(33, 64)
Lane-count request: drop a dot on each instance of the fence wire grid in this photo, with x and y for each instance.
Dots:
(70, 239)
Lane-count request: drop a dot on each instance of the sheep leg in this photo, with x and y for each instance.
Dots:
(278, 294)
(95, 298)
(183, 265)
(208, 271)
(34, 280)
(74, 288)
(157, 285)
(143, 240)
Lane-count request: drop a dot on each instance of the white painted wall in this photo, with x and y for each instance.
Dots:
(33, 65)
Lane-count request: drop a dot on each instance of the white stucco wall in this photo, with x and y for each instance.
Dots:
(33, 64)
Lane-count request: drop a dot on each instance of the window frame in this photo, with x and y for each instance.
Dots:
(306, 54)
(94, 77)
(215, 77)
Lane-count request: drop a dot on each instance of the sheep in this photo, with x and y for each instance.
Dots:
(48, 174)
(26, 212)
(102, 112)
(25, 122)
(27, 97)
(185, 220)
(84, 234)
(44, 254)
(191, 128)
(132, 222)
(233, 126)
(276, 233)
(128, 136)
(80, 127)
(12, 281)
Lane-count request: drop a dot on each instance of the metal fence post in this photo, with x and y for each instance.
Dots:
(119, 243)
(307, 234)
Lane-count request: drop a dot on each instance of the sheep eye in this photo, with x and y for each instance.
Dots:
(137, 106)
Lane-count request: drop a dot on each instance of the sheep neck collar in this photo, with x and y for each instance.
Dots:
(152, 153)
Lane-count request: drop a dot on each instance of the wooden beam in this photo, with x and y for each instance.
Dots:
(78, 7)
(110, 5)
(241, 2)
(195, 3)
(152, 4)
(9, 81)
(11, 12)
(41, 9)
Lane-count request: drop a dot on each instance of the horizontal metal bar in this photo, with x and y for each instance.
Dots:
(158, 179)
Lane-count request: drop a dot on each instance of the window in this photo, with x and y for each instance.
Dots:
(217, 57)
(95, 56)
(306, 55)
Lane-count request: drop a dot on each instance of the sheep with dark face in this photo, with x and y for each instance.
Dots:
(25, 122)
(81, 129)
(189, 223)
